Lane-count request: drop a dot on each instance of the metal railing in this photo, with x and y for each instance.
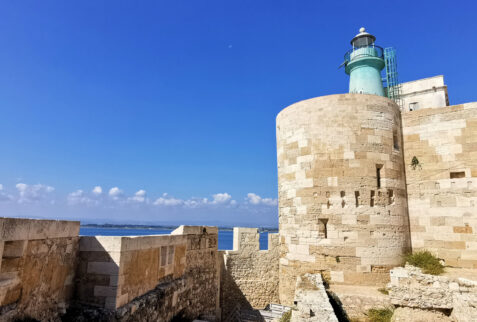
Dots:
(365, 51)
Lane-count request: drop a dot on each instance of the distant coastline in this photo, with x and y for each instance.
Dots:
(166, 227)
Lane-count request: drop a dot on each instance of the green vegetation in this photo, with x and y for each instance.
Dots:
(426, 261)
(380, 315)
(383, 290)
(286, 317)
(415, 163)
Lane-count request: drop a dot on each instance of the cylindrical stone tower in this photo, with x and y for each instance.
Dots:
(342, 195)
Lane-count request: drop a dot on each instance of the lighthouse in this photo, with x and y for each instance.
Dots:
(363, 63)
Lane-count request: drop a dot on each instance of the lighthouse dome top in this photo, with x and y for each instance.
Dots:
(363, 38)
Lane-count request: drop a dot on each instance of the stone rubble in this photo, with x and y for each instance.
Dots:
(411, 288)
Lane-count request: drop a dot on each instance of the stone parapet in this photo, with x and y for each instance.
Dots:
(113, 270)
(37, 267)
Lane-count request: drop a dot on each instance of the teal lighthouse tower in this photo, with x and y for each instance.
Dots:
(363, 63)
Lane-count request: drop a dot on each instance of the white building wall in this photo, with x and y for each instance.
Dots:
(424, 93)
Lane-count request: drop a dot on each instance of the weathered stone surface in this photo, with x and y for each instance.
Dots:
(407, 314)
(165, 302)
(356, 300)
(38, 264)
(312, 303)
(249, 276)
(409, 287)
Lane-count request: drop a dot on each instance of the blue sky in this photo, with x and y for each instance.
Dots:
(165, 103)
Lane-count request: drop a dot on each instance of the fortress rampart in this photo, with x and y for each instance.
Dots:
(47, 268)
(442, 181)
(342, 194)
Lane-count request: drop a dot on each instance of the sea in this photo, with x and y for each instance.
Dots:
(225, 236)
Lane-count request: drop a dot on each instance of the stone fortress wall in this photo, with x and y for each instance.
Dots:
(442, 186)
(357, 189)
(342, 197)
(38, 262)
(114, 271)
(48, 270)
(249, 276)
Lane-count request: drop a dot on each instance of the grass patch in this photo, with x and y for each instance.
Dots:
(380, 315)
(286, 317)
(383, 290)
(426, 261)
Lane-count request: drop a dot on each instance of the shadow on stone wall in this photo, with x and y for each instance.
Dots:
(232, 298)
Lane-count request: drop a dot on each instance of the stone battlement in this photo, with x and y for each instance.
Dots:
(249, 276)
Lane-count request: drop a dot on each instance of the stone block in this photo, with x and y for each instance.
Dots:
(101, 243)
(15, 229)
(463, 230)
(105, 268)
(107, 291)
(13, 249)
(337, 276)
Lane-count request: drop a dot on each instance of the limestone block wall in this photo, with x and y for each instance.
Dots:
(249, 275)
(342, 197)
(442, 185)
(113, 271)
(37, 266)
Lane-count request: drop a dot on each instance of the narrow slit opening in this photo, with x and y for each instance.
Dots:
(323, 230)
(378, 175)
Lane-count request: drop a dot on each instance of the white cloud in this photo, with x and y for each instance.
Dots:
(31, 193)
(139, 196)
(79, 197)
(3, 195)
(165, 200)
(115, 193)
(196, 202)
(221, 198)
(97, 190)
(255, 199)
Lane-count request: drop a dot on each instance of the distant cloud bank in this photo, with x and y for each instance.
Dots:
(114, 200)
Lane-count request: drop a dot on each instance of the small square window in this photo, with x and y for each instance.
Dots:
(414, 106)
